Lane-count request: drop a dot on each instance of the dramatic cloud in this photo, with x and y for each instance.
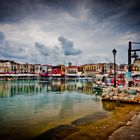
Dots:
(2, 37)
(68, 46)
(91, 29)
(122, 12)
(8, 51)
(45, 51)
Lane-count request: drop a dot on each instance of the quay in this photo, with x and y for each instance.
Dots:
(129, 131)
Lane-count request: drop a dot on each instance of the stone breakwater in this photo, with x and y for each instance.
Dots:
(126, 95)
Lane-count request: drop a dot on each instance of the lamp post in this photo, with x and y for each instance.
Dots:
(114, 53)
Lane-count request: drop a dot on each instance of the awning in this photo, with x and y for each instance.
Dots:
(71, 74)
(56, 74)
(2, 75)
(15, 75)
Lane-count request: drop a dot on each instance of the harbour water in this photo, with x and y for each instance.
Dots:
(29, 108)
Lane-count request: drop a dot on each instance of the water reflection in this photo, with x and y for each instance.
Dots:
(23, 103)
(32, 107)
(67, 103)
(9, 89)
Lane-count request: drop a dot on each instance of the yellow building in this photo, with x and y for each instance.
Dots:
(136, 65)
(5, 66)
(89, 68)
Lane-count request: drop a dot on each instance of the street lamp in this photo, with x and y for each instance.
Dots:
(114, 53)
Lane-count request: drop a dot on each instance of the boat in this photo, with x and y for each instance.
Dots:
(97, 89)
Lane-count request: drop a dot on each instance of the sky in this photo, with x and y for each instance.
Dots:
(62, 31)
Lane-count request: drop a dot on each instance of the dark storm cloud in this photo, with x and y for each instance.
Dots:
(68, 46)
(12, 11)
(125, 14)
(8, 51)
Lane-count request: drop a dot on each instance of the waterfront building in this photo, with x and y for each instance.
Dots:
(5, 66)
(32, 69)
(72, 72)
(135, 69)
(72, 69)
(49, 70)
(137, 62)
(26, 68)
(46, 70)
(122, 68)
(20, 69)
(100, 68)
(106, 68)
(38, 68)
(58, 71)
(110, 68)
(81, 68)
(63, 70)
(14, 67)
(136, 66)
(89, 70)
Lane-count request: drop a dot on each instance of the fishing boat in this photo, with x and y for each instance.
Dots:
(97, 89)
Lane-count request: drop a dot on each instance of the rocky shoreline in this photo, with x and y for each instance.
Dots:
(124, 95)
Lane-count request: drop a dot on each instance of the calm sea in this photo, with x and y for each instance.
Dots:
(28, 108)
